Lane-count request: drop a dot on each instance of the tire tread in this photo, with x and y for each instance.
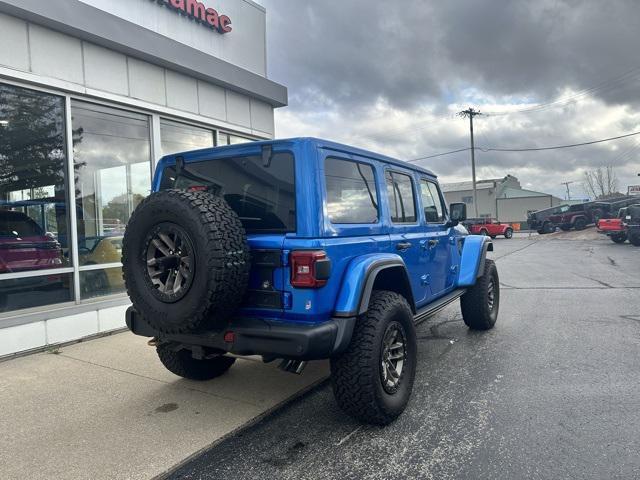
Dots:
(228, 275)
(353, 376)
(473, 303)
(184, 365)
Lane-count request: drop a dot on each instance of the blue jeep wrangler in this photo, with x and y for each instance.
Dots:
(300, 250)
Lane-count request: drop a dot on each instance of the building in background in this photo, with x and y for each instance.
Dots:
(92, 94)
(501, 198)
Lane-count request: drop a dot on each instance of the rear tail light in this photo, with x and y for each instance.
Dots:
(197, 188)
(309, 268)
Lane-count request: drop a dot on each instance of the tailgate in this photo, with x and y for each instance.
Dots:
(610, 225)
(265, 294)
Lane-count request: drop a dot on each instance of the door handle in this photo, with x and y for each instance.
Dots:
(433, 242)
(403, 246)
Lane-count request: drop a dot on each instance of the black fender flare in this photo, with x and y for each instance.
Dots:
(372, 274)
(486, 247)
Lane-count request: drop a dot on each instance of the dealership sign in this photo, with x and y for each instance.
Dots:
(200, 13)
(634, 190)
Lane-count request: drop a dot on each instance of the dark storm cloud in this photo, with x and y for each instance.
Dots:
(355, 51)
(416, 50)
(389, 76)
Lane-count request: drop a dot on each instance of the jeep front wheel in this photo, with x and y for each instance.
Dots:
(580, 224)
(181, 363)
(634, 239)
(508, 233)
(373, 379)
(480, 303)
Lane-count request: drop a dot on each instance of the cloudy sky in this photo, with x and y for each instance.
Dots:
(390, 76)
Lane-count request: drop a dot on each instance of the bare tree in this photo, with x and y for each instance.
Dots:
(601, 183)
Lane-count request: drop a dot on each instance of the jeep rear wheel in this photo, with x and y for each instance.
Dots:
(182, 363)
(618, 237)
(634, 239)
(547, 227)
(185, 261)
(508, 233)
(480, 303)
(373, 379)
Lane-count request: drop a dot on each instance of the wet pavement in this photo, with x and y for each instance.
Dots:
(552, 392)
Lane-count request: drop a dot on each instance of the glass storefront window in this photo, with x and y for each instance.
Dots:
(112, 153)
(34, 220)
(228, 139)
(112, 175)
(50, 289)
(178, 137)
(98, 283)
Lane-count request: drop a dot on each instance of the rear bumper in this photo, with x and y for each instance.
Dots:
(254, 336)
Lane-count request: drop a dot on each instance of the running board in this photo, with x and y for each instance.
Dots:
(438, 305)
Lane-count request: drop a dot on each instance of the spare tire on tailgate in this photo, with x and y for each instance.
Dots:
(185, 260)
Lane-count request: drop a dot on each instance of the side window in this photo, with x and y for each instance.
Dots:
(402, 203)
(431, 202)
(352, 196)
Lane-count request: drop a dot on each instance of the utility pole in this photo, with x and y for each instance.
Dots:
(471, 112)
(566, 184)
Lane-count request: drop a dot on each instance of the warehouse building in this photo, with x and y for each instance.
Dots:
(92, 94)
(501, 198)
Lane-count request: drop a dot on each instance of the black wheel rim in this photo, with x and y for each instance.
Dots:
(491, 295)
(170, 262)
(394, 353)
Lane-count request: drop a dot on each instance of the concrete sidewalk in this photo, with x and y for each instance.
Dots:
(107, 409)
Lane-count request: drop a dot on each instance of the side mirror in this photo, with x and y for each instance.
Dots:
(457, 213)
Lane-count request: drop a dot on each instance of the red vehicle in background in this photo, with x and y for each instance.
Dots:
(626, 226)
(489, 227)
(613, 228)
(24, 245)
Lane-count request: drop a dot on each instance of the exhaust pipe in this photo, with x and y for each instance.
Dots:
(292, 366)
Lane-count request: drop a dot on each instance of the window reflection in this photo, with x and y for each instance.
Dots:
(33, 206)
(112, 154)
(431, 202)
(228, 139)
(98, 283)
(352, 196)
(178, 137)
(401, 198)
(50, 289)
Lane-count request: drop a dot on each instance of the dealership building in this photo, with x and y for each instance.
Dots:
(92, 94)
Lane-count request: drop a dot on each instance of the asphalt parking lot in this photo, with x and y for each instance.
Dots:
(552, 392)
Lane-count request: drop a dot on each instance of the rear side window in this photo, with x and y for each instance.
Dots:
(352, 196)
(263, 196)
(431, 202)
(402, 203)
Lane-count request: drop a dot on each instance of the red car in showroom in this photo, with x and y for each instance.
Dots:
(24, 245)
(489, 227)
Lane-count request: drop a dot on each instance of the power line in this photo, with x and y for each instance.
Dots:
(529, 149)
(603, 86)
(439, 155)
(537, 149)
